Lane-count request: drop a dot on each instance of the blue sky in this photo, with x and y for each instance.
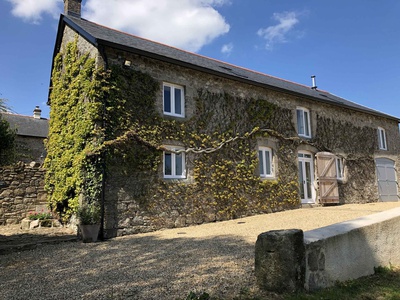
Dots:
(353, 47)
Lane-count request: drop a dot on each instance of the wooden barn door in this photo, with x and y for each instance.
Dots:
(326, 173)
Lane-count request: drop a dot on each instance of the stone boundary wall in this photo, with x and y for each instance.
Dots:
(338, 252)
(21, 191)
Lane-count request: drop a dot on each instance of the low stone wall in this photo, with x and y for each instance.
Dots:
(21, 191)
(338, 252)
(351, 249)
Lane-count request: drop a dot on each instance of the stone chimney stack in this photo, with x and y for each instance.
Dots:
(37, 113)
(72, 8)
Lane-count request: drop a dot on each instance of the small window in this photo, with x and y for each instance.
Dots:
(382, 139)
(303, 122)
(173, 100)
(174, 163)
(265, 162)
(339, 168)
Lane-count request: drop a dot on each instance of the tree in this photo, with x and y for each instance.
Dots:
(7, 136)
(3, 105)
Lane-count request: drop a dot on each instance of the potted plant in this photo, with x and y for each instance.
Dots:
(89, 221)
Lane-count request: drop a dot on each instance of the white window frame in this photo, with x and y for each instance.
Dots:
(174, 157)
(173, 88)
(339, 168)
(304, 124)
(382, 141)
(265, 152)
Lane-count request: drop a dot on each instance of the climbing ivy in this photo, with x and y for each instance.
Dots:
(101, 119)
(224, 184)
(73, 161)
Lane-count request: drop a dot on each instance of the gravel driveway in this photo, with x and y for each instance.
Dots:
(217, 258)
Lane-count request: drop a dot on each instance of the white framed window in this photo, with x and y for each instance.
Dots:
(174, 164)
(265, 162)
(173, 100)
(339, 168)
(382, 138)
(303, 122)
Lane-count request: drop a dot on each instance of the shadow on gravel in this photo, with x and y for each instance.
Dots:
(137, 267)
(27, 241)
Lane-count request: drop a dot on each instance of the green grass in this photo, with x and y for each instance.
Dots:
(383, 285)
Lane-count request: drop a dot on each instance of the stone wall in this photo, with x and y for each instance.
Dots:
(351, 249)
(327, 255)
(21, 191)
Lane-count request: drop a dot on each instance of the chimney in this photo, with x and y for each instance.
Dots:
(37, 113)
(314, 84)
(72, 8)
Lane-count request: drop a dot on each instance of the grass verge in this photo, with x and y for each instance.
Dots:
(383, 285)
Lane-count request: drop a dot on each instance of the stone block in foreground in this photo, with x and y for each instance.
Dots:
(280, 260)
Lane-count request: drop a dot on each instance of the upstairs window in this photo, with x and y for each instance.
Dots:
(174, 163)
(303, 122)
(382, 139)
(265, 162)
(173, 100)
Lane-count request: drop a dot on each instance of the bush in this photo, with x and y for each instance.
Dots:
(39, 215)
(89, 214)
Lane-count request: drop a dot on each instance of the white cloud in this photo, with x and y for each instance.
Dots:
(278, 33)
(227, 49)
(187, 24)
(32, 10)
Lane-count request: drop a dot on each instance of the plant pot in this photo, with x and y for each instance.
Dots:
(89, 232)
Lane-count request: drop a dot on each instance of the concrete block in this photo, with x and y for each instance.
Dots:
(280, 260)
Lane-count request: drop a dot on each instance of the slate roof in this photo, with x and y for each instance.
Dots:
(101, 35)
(28, 126)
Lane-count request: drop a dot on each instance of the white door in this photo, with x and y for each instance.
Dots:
(306, 177)
(387, 182)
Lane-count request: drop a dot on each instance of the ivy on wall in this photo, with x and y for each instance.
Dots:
(110, 119)
(75, 134)
(223, 184)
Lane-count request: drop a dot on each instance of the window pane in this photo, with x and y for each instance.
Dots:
(178, 101)
(383, 137)
(306, 123)
(178, 164)
(300, 122)
(167, 164)
(268, 162)
(261, 161)
(339, 166)
(308, 178)
(301, 180)
(167, 99)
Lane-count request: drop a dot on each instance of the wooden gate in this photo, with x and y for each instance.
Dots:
(327, 177)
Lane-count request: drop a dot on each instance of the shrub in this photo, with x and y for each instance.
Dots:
(89, 214)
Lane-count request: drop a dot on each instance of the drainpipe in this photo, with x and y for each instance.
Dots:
(103, 155)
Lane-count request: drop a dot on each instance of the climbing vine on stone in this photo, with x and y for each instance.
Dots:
(75, 135)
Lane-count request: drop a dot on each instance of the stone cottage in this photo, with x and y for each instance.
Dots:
(22, 182)
(31, 131)
(181, 139)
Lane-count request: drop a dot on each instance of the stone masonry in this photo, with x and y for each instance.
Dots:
(21, 191)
